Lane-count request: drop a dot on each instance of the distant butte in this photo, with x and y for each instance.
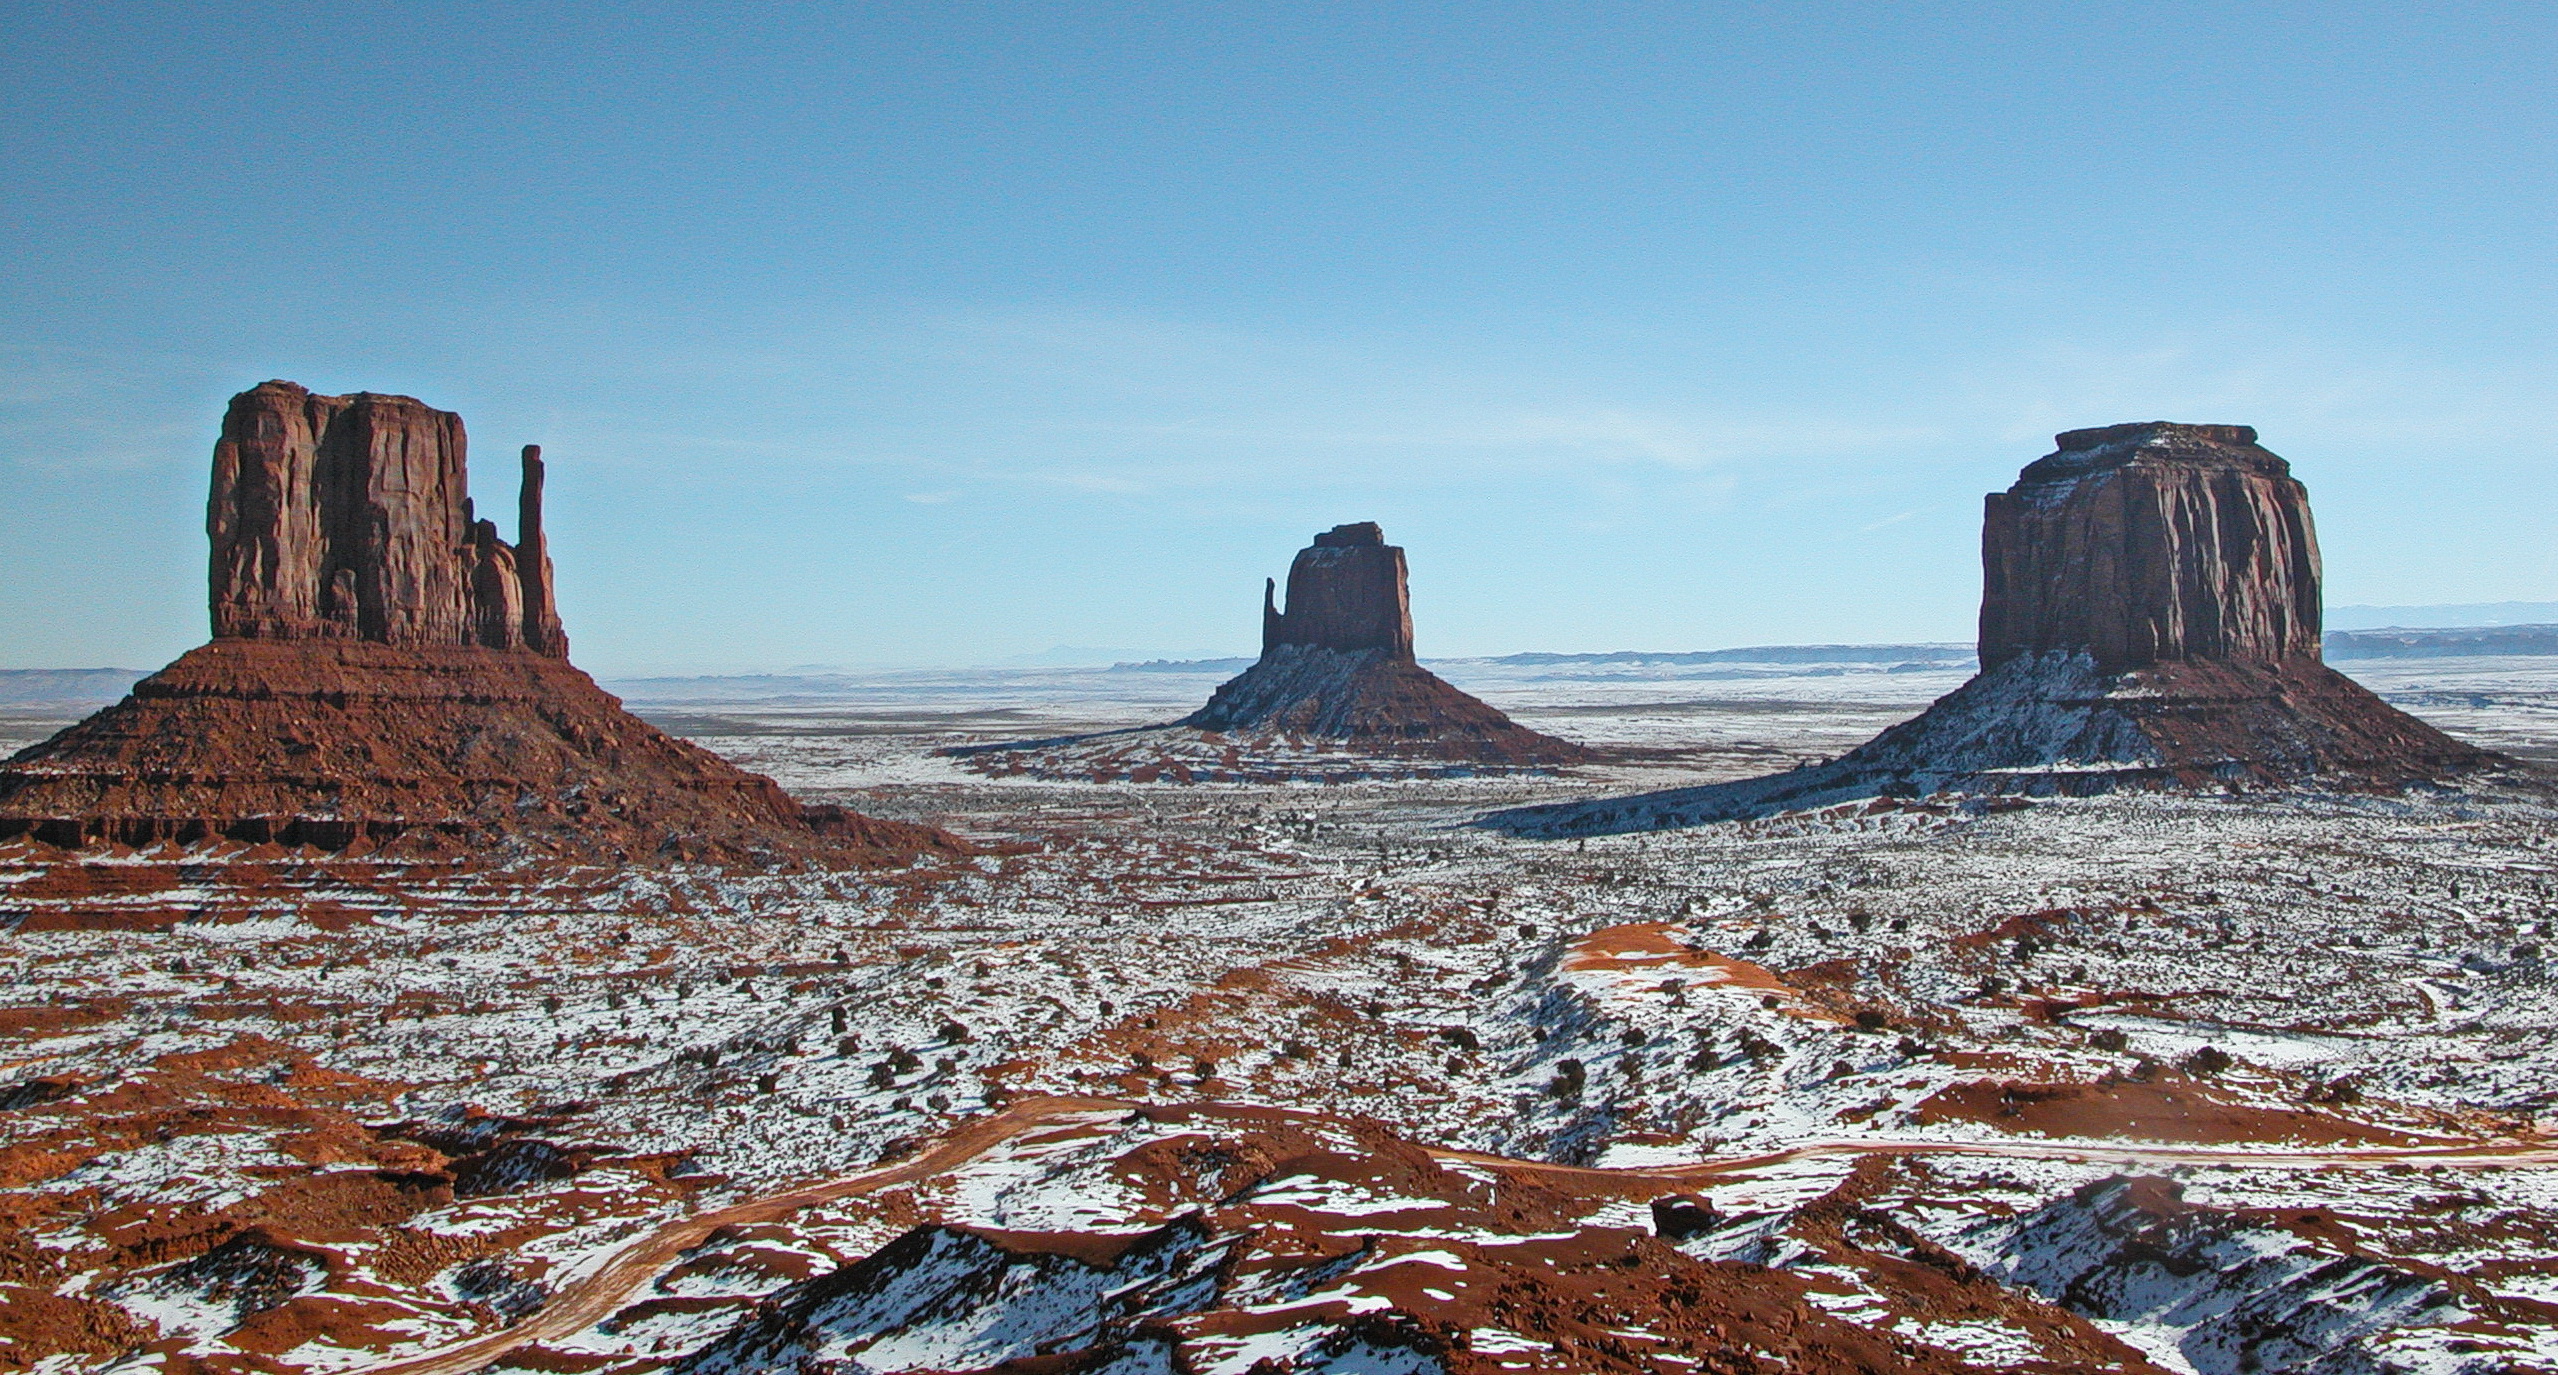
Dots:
(387, 674)
(1337, 664)
(2149, 618)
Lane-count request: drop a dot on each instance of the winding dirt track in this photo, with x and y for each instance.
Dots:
(592, 1299)
(2470, 1157)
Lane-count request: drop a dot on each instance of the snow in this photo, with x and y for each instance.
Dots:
(2316, 939)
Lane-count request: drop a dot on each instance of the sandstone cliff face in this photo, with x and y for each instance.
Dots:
(387, 674)
(1348, 591)
(2151, 543)
(2149, 619)
(349, 517)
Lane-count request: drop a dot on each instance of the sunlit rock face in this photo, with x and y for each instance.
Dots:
(2149, 619)
(1349, 591)
(2151, 543)
(386, 673)
(349, 517)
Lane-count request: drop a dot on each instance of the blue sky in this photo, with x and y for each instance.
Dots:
(884, 334)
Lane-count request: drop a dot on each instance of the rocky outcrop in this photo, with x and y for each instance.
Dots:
(1337, 664)
(2149, 618)
(1348, 591)
(2235, 1291)
(387, 674)
(413, 750)
(2151, 543)
(348, 517)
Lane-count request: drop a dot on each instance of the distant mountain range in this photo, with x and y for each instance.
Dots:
(2353, 632)
(1183, 666)
(2441, 617)
(1932, 653)
(2441, 642)
(30, 687)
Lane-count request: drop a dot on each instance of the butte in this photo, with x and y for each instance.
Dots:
(386, 675)
(2149, 619)
(1336, 694)
(1338, 665)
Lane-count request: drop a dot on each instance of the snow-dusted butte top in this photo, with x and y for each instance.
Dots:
(2151, 543)
(2079, 452)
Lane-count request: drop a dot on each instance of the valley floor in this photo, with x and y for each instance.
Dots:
(1294, 1077)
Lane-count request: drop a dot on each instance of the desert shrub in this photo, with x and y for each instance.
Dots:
(2206, 1061)
(1569, 1076)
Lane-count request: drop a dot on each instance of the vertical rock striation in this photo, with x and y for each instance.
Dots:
(2149, 619)
(348, 517)
(1348, 591)
(2151, 543)
(386, 672)
(1337, 664)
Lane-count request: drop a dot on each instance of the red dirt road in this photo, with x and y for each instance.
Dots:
(594, 1298)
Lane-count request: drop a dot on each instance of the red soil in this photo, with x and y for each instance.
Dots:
(353, 746)
(2169, 1108)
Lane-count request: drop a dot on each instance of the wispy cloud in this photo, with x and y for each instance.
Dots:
(1125, 404)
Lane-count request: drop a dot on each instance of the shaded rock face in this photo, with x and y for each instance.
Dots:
(386, 674)
(2151, 543)
(1338, 665)
(2238, 1292)
(1349, 591)
(981, 1300)
(2149, 619)
(348, 517)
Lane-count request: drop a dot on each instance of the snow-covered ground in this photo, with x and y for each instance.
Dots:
(300, 1114)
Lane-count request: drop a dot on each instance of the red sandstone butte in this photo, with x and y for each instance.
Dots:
(1348, 591)
(2150, 602)
(2151, 543)
(1338, 664)
(2149, 619)
(347, 517)
(387, 674)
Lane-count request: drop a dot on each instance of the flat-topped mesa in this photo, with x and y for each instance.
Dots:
(2149, 619)
(349, 518)
(1348, 591)
(2151, 543)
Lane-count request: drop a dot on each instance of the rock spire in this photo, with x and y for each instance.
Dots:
(349, 518)
(387, 674)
